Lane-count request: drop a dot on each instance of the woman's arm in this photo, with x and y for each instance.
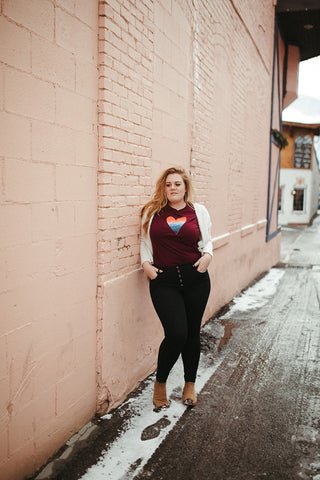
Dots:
(146, 251)
(204, 220)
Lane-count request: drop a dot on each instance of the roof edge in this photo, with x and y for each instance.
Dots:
(312, 126)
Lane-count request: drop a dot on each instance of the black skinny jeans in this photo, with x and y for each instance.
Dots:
(179, 295)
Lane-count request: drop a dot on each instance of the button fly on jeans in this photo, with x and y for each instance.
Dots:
(180, 276)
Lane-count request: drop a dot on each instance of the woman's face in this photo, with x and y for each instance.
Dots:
(175, 189)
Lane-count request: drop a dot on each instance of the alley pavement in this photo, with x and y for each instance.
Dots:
(258, 414)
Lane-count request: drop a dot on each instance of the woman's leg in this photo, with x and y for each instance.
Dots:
(170, 307)
(195, 301)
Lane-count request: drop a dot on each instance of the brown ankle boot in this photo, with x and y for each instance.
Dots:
(189, 396)
(160, 395)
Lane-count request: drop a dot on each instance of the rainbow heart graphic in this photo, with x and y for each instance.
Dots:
(176, 223)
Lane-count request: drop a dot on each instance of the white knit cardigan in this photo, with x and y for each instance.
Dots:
(204, 243)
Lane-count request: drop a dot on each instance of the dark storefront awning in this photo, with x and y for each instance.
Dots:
(299, 22)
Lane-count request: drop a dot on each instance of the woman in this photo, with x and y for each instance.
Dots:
(176, 250)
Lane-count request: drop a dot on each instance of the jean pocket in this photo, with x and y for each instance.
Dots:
(202, 273)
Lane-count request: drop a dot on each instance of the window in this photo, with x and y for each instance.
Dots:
(298, 199)
(302, 151)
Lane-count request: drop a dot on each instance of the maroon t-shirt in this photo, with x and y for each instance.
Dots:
(174, 236)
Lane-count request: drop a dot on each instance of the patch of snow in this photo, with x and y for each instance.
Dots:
(108, 416)
(129, 453)
(287, 229)
(257, 295)
(304, 109)
(305, 433)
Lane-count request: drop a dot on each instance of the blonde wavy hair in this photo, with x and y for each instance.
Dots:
(159, 199)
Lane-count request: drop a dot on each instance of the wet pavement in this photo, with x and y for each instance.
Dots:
(258, 414)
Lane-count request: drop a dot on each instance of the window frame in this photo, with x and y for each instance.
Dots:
(303, 210)
(305, 144)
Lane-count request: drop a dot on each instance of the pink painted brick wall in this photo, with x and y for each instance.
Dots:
(232, 90)
(48, 203)
(179, 82)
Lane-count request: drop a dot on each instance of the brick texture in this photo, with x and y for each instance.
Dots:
(230, 90)
(125, 117)
(48, 202)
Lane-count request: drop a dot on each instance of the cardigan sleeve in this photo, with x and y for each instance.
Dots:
(146, 251)
(204, 220)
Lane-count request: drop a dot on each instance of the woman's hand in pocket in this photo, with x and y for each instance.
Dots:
(150, 270)
(203, 263)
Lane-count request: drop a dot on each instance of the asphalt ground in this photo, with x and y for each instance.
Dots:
(258, 415)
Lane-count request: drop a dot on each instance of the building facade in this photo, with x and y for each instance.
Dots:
(299, 175)
(96, 99)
